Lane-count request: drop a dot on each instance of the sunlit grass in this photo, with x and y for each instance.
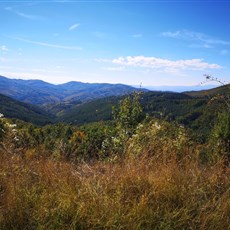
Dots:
(132, 193)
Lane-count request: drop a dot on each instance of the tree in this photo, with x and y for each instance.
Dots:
(128, 115)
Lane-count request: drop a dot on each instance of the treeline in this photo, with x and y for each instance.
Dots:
(100, 140)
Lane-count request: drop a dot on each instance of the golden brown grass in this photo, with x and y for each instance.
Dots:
(133, 193)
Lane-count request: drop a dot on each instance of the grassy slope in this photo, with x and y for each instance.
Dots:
(146, 193)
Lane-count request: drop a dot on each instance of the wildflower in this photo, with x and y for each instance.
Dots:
(157, 126)
(12, 125)
(16, 139)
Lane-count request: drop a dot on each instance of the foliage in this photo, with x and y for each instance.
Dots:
(93, 111)
(128, 115)
(157, 137)
(59, 141)
(193, 112)
(92, 144)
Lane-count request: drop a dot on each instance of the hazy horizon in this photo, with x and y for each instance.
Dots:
(150, 42)
(173, 88)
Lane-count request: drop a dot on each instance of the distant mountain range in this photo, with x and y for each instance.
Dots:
(38, 92)
(80, 103)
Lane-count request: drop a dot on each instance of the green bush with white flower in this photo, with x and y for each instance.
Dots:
(158, 138)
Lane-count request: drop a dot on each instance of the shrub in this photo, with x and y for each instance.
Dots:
(159, 138)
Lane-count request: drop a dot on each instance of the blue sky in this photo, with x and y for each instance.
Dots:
(131, 42)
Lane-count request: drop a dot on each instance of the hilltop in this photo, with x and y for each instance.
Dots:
(38, 92)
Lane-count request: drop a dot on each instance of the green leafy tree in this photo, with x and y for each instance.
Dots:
(128, 115)
(91, 146)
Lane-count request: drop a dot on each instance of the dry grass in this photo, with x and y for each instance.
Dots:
(141, 193)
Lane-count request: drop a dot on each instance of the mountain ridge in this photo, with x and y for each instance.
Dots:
(39, 92)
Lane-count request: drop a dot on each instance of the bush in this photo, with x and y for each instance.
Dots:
(220, 138)
(159, 138)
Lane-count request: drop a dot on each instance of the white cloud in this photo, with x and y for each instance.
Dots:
(23, 15)
(194, 36)
(206, 46)
(163, 64)
(28, 16)
(137, 35)
(74, 26)
(49, 45)
(4, 49)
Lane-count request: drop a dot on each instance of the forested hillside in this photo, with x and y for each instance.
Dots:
(23, 111)
(195, 112)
